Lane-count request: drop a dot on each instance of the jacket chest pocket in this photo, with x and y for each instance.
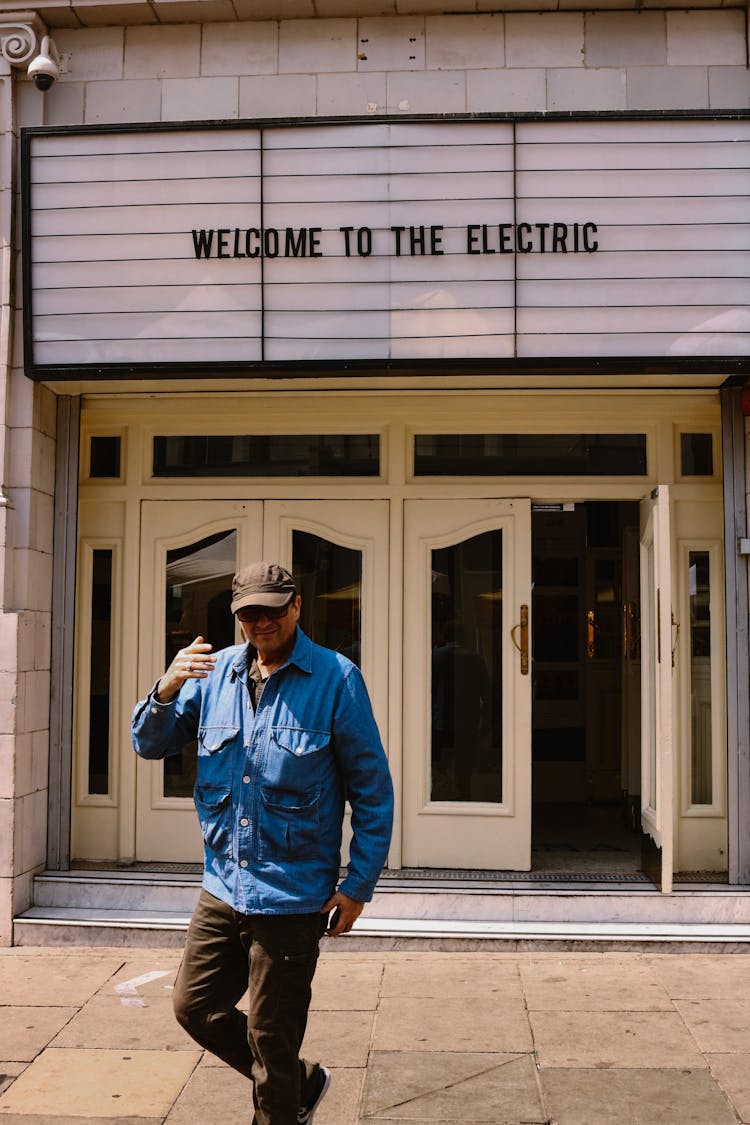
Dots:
(296, 758)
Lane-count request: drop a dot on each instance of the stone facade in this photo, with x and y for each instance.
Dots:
(512, 62)
(493, 62)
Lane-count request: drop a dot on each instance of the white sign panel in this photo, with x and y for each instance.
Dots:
(387, 242)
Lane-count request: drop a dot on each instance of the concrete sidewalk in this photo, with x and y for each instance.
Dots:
(518, 1038)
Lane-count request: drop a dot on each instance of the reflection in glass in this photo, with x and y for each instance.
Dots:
(329, 578)
(99, 682)
(267, 455)
(697, 455)
(198, 595)
(515, 455)
(700, 676)
(466, 701)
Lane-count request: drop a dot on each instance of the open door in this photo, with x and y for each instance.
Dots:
(467, 687)
(658, 638)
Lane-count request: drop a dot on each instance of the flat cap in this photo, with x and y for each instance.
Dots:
(262, 583)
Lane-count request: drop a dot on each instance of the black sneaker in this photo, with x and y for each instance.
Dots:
(306, 1113)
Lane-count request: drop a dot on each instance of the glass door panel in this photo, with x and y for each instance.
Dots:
(329, 578)
(467, 689)
(198, 594)
(467, 697)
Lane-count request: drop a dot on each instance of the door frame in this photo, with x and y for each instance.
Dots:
(325, 407)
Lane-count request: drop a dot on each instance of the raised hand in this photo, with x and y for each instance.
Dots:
(191, 662)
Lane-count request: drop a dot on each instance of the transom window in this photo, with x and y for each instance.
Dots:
(512, 455)
(267, 455)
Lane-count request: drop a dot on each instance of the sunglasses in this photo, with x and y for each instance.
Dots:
(252, 613)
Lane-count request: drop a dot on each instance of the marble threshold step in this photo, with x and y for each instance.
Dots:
(152, 908)
(60, 926)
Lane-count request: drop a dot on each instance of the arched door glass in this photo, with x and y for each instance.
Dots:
(329, 578)
(198, 595)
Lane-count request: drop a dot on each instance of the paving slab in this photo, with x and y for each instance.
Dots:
(613, 1039)
(451, 1086)
(342, 1100)
(406, 1023)
(211, 1094)
(338, 1038)
(340, 983)
(721, 1026)
(75, 1119)
(593, 985)
(9, 1071)
(460, 978)
(49, 980)
(105, 1021)
(732, 1072)
(99, 1083)
(25, 1031)
(703, 976)
(634, 1097)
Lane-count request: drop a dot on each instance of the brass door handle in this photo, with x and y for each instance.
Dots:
(590, 634)
(523, 646)
(626, 642)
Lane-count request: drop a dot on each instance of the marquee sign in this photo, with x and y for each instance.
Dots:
(189, 249)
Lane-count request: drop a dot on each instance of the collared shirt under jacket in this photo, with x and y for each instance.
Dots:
(271, 785)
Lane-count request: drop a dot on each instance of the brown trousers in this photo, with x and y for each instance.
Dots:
(274, 956)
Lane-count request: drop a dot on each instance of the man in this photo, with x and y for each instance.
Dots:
(285, 733)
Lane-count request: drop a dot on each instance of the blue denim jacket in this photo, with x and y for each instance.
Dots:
(271, 785)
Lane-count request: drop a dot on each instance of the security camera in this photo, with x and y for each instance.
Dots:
(46, 66)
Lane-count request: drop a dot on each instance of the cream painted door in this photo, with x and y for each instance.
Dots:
(189, 552)
(658, 641)
(467, 694)
(338, 551)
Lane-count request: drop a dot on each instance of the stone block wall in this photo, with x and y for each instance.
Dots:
(27, 452)
(512, 62)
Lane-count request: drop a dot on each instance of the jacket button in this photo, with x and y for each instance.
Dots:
(298, 753)
(243, 863)
(154, 710)
(246, 779)
(244, 822)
